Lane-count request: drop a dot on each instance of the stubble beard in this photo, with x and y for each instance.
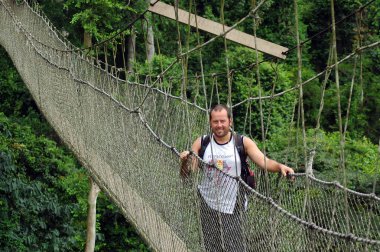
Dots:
(220, 133)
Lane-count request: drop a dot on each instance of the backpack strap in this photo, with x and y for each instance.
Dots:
(205, 140)
(246, 173)
(240, 147)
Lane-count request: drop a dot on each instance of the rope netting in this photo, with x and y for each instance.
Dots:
(128, 129)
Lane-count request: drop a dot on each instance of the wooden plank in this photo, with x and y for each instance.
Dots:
(213, 27)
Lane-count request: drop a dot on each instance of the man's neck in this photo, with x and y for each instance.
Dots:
(224, 139)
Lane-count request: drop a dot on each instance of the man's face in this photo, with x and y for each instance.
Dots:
(220, 123)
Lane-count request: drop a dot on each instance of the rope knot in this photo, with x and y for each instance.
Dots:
(336, 183)
(329, 67)
(350, 236)
(311, 225)
(253, 13)
(358, 50)
(152, 3)
(179, 56)
(285, 53)
(270, 200)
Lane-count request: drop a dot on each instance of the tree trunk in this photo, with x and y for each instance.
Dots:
(309, 165)
(91, 216)
(131, 50)
(149, 43)
(87, 39)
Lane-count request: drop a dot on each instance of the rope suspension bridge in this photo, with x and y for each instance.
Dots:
(128, 130)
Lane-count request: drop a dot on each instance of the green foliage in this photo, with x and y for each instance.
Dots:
(15, 100)
(114, 233)
(274, 78)
(159, 64)
(316, 16)
(364, 104)
(61, 20)
(99, 18)
(35, 211)
(279, 26)
(361, 157)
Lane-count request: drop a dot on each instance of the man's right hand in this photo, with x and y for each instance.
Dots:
(185, 171)
(184, 155)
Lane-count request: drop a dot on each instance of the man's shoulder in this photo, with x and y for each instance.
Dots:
(240, 137)
(243, 136)
(205, 139)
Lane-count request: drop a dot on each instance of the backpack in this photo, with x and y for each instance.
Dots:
(246, 173)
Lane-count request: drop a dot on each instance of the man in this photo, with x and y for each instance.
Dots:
(221, 202)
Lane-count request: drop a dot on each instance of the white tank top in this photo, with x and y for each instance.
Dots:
(218, 190)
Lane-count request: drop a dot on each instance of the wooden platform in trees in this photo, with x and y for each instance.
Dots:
(213, 27)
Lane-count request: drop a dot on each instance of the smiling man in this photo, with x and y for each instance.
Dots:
(222, 205)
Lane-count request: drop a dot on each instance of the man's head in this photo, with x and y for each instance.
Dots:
(220, 120)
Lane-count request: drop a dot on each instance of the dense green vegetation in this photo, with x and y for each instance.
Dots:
(43, 191)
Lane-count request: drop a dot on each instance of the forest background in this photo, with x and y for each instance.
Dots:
(43, 190)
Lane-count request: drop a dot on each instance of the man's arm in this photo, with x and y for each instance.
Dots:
(184, 156)
(255, 154)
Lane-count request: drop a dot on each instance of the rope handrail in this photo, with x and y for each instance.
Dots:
(347, 57)
(307, 224)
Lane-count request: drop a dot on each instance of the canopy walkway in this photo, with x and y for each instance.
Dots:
(128, 135)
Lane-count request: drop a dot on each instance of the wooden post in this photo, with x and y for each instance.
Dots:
(213, 27)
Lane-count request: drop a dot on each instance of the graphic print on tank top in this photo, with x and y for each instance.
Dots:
(218, 190)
